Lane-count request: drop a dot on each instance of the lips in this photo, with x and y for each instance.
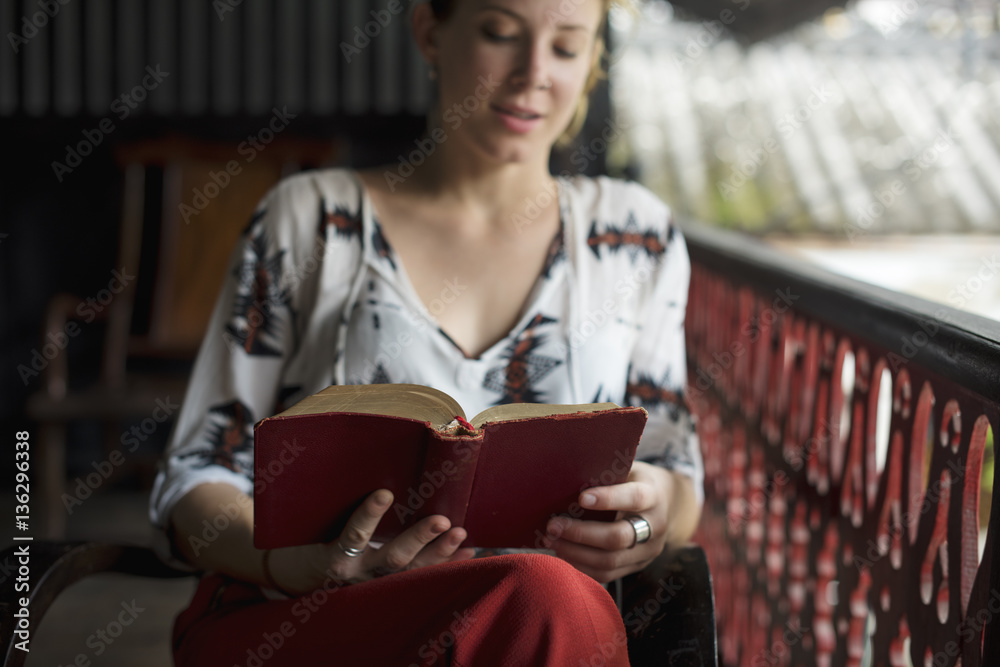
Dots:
(516, 111)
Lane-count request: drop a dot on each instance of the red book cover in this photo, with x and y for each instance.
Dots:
(501, 482)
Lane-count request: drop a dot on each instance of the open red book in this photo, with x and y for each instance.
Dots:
(501, 475)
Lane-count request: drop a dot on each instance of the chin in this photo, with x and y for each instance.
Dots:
(515, 149)
(516, 154)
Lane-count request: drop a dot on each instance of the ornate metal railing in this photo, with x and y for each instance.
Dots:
(839, 532)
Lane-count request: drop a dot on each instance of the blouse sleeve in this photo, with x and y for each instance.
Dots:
(657, 371)
(237, 375)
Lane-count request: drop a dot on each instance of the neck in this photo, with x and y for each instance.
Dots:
(486, 194)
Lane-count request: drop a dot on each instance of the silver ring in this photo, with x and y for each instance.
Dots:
(641, 528)
(351, 551)
(546, 85)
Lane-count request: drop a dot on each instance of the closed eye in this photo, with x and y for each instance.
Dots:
(498, 37)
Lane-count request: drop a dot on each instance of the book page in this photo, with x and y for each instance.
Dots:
(412, 401)
(508, 411)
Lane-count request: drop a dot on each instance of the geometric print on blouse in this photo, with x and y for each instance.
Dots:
(280, 325)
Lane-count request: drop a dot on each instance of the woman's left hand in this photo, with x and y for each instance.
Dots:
(607, 550)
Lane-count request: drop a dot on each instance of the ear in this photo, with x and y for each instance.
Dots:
(425, 26)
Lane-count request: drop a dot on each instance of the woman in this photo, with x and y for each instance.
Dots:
(473, 270)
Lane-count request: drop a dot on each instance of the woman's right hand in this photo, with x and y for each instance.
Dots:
(430, 541)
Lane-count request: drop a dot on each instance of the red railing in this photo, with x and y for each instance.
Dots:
(840, 532)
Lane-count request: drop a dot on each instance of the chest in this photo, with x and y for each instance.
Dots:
(475, 288)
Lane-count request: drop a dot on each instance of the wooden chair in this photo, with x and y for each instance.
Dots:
(206, 194)
(668, 608)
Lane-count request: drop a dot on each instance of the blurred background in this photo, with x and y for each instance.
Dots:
(139, 135)
(866, 139)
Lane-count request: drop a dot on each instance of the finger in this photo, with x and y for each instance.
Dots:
(628, 496)
(610, 536)
(402, 550)
(605, 576)
(445, 549)
(598, 563)
(463, 554)
(361, 526)
(440, 549)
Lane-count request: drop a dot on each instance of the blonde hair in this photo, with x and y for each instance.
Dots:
(596, 74)
(442, 10)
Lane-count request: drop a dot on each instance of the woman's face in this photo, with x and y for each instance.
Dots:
(512, 71)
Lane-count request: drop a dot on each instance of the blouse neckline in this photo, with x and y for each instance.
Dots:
(372, 236)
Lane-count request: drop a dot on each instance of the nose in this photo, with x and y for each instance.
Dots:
(532, 69)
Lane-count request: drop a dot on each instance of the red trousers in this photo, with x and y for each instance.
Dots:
(509, 610)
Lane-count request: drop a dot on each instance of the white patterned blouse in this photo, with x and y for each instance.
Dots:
(315, 296)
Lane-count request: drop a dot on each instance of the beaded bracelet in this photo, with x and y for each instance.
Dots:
(268, 577)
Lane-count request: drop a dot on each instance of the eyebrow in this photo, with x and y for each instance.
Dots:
(517, 16)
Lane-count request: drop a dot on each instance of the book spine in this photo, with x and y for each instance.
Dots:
(444, 486)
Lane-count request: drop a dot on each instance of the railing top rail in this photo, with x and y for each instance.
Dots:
(960, 347)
